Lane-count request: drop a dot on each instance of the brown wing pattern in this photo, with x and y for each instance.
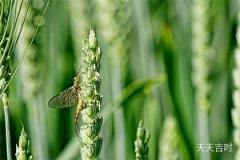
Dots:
(65, 99)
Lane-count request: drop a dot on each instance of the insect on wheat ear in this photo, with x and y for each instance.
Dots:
(68, 98)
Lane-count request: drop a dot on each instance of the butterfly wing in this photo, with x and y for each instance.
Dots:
(65, 99)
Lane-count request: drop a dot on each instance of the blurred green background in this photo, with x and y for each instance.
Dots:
(146, 72)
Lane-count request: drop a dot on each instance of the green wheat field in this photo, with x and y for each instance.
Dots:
(154, 79)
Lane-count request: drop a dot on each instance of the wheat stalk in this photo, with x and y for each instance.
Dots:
(7, 126)
(169, 142)
(236, 94)
(23, 149)
(91, 142)
(141, 147)
(30, 75)
(12, 19)
(200, 71)
(10, 27)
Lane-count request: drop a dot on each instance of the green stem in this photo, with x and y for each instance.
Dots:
(7, 126)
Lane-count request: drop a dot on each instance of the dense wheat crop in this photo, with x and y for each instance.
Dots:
(153, 78)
